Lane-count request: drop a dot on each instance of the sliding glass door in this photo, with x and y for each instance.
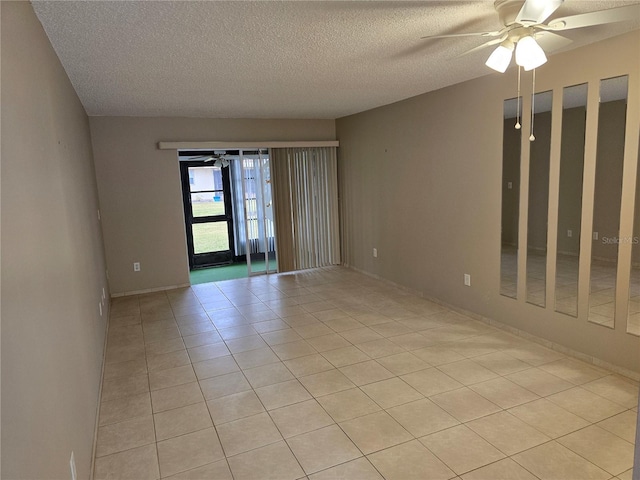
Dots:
(258, 212)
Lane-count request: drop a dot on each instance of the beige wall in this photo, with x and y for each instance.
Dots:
(437, 160)
(139, 188)
(52, 261)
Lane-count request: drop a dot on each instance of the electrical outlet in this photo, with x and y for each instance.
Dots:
(136, 266)
(509, 185)
(569, 233)
(467, 280)
(375, 253)
(595, 235)
(72, 466)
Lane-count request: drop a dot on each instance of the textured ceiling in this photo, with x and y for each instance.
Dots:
(272, 59)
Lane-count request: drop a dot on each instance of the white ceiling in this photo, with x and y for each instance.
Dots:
(272, 59)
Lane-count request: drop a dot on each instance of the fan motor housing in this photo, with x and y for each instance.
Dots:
(508, 10)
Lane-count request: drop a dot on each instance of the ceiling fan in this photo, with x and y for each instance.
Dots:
(525, 31)
(219, 159)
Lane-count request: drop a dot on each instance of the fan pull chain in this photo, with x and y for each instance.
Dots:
(533, 105)
(518, 126)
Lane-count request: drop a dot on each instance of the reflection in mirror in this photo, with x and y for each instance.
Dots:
(510, 198)
(607, 199)
(537, 218)
(574, 117)
(633, 320)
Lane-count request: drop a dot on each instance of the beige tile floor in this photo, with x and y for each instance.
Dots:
(328, 374)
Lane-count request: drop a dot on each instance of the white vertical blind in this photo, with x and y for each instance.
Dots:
(306, 178)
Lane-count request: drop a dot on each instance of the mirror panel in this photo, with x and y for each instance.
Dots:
(633, 319)
(537, 217)
(511, 139)
(607, 199)
(574, 118)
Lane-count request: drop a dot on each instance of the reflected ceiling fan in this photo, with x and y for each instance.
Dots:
(526, 33)
(219, 159)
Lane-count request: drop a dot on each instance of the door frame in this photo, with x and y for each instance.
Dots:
(203, 260)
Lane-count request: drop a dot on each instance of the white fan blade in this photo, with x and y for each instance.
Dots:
(495, 41)
(612, 15)
(550, 42)
(537, 11)
(474, 34)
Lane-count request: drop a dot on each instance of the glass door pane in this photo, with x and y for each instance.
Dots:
(258, 212)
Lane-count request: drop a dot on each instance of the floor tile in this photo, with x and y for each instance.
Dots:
(118, 437)
(174, 397)
(323, 448)
(391, 392)
(247, 434)
(186, 452)
(282, 394)
(360, 469)
(300, 418)
(467, 372)
(179, 421)
(217, 470)
(223, 385)
(465, 404)
(437, 355)
(245, 344)
(461, 449)
(124, 386)
(375, 431)
(573, 371)
(552, 461)
(270, 462)
(422, 417)
(135, 464)
(402, 363)
(256, 358)
(267, 374)
(200, 339)
(501, 363)
(366, 372)
(507, 433)
(165, 346)
(347, 404)
(171, 377)
(585, 404)
(125, 369)
(615, 388)
(431, 381)
(503, 392)
(215, 367)
(315, 329)
(165, 361)
(324, 383)
(233, 407)
(287, 351)
(380, 348)
(410, 461)
(345, 356)
(124, 408)
(308, 365)
(505, 469)
(623, 425)
(360, 335)
(602, 448)
(207, 352)
(539, 381)
(549, 418)
(327, 342)
(281, 336)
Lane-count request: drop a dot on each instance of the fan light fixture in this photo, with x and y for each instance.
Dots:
(500, 59)
(529, 54)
